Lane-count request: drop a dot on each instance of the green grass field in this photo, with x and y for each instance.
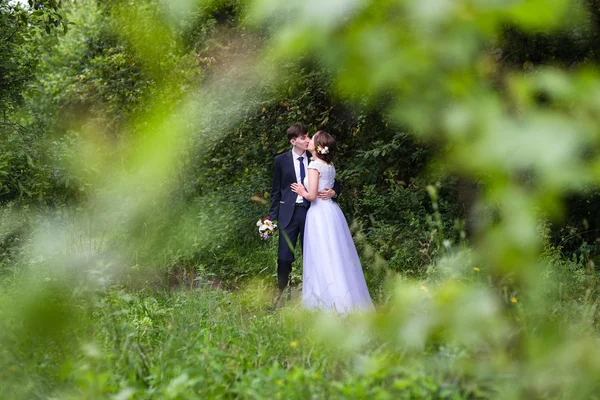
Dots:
(202, 344)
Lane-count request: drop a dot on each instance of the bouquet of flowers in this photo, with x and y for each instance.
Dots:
(266, 227)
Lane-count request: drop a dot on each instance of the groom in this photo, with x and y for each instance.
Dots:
(288, 208)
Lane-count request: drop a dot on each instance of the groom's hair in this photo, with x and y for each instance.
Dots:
(296, 130)
(324, 139)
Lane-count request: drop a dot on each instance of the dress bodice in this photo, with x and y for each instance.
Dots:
(326, 174)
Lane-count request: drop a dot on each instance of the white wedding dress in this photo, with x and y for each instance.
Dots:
(332, 277)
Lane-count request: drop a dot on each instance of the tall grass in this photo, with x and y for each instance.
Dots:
(452, 335)
(206, 344)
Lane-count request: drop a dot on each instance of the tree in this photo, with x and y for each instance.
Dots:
(25, 27)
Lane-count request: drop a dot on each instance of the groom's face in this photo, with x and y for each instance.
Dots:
(301, 143)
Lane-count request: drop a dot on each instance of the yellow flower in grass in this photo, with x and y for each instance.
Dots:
(513, 300)
(423, 288)
(475, 269)
(294, 344)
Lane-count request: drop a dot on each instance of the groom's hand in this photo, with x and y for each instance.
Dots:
(326, 194)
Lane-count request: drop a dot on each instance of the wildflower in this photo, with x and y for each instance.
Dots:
(423, 288)
(513, 299)
(294, 344)
(475, 269)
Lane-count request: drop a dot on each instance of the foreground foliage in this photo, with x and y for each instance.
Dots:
(137, 150)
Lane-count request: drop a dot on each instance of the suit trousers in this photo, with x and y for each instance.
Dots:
(288, 237)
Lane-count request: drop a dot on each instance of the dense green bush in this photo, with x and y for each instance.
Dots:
(97, 85)
(96, 88)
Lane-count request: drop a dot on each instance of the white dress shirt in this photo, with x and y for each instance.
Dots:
(300, 199)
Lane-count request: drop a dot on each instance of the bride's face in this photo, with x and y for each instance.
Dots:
(311, 144)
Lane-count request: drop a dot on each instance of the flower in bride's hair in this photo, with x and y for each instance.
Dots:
(322, 149)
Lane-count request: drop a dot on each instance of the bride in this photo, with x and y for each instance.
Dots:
(332, 276)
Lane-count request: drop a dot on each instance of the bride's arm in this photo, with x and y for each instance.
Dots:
(313, 184)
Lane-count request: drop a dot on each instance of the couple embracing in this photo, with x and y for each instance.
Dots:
(301, 201)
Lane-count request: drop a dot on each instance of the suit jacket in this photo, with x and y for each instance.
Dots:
(283, 200)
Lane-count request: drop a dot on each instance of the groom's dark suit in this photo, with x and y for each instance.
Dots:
(289, 214)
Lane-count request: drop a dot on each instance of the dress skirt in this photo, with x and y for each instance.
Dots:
(332, 278)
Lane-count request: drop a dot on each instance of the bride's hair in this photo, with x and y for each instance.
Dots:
(325, 146)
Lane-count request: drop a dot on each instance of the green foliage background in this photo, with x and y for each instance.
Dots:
(91, 95)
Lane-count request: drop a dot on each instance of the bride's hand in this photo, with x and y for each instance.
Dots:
(326, 194)
(298, 189)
